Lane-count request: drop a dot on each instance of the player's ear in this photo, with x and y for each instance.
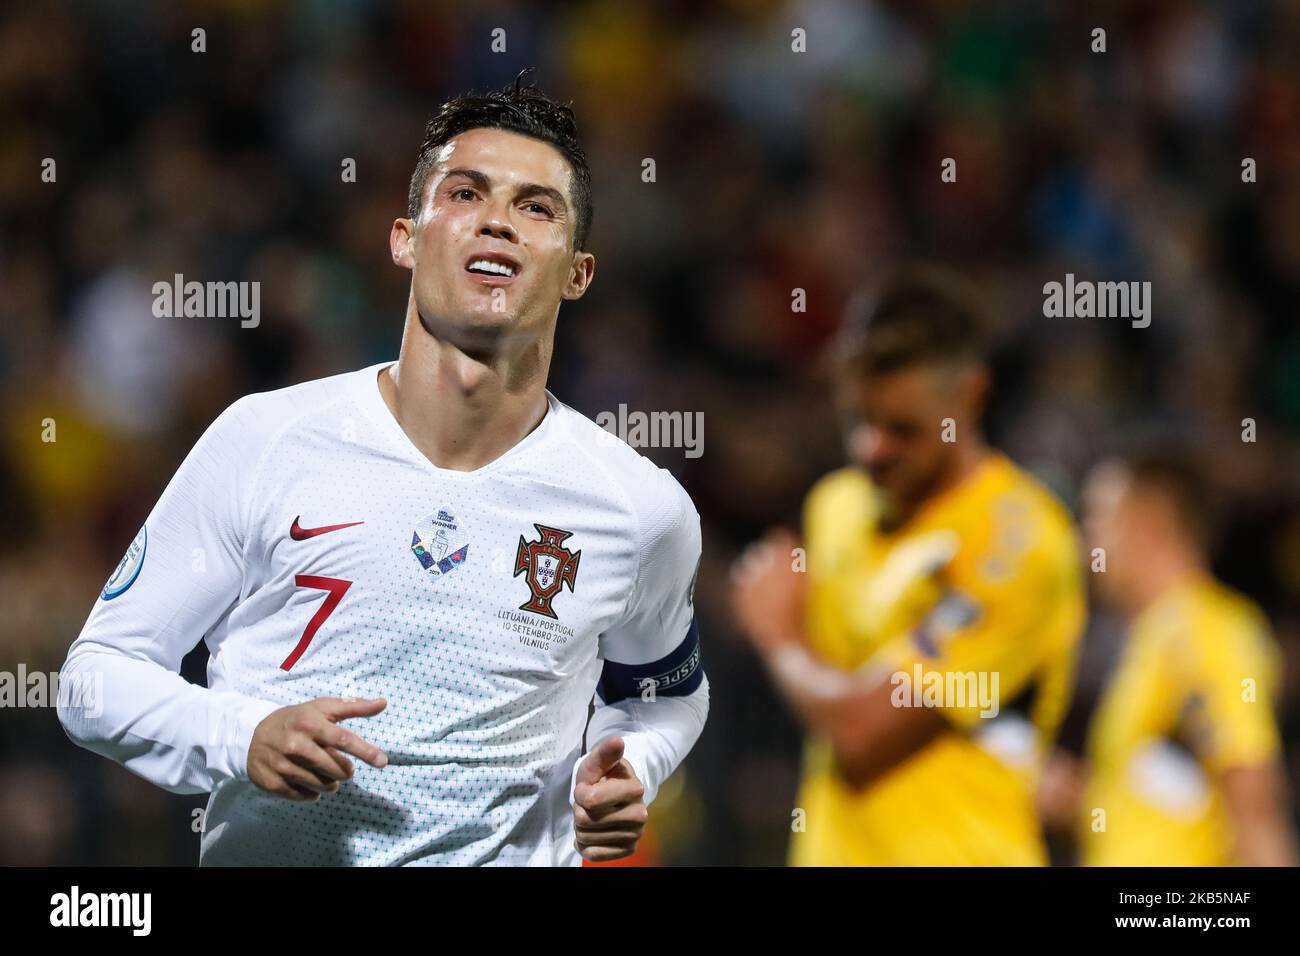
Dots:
(973, 385)
(401, 242)
(580, 275)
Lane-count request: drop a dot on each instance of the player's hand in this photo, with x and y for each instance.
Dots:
(767, 593)
(297, 752)
(609, 812)
(1060, 792)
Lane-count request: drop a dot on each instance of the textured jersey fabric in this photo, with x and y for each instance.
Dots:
(482, 605)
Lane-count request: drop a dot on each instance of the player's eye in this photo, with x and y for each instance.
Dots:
(536, 207)
(904, 431)
(462, 191)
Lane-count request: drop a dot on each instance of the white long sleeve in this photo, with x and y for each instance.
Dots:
(180, 736)
(178, 581)
(653, 691)
(657, 735)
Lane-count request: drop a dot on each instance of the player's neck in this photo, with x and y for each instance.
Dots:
(966, 460)
(1163, 573)
(463, 412)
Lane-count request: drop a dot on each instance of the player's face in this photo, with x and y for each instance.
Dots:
(896, 425)
(1114, 521)
(492, 250)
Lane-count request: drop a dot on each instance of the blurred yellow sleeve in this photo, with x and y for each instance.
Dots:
(1235, 671)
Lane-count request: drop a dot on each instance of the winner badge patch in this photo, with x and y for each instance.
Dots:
(440, 543)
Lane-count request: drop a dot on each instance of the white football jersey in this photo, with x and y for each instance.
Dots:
(319, 553)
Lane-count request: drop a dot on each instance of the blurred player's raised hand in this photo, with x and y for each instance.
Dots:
(297, 752)
(609, 811)
(767, 592)
(1060, 792)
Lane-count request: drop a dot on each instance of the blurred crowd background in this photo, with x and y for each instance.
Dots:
(775, 171)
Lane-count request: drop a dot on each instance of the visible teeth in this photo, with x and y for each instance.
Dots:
(483, 265)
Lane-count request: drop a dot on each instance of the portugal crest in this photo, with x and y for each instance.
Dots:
(547, 565)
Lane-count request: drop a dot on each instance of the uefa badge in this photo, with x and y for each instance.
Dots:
(128, 569)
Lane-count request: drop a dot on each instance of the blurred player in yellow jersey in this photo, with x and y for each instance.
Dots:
(929, 647)
(1184, 763)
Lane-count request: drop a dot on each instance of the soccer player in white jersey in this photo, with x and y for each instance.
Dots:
(435, 551)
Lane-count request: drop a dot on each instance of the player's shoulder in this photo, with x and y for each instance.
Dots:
(841, 485)
(1019, 494)
(1226, 614)
(843, 499)
(278, 405)
(256, 418)
(650, 492)
(1211, 627)
(1015, 534)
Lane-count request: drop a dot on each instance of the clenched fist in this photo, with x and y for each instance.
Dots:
(609, 812)
(297, 752)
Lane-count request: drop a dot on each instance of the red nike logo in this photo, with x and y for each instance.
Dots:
(299, 533)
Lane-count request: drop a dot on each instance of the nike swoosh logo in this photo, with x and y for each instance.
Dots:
(299, 533)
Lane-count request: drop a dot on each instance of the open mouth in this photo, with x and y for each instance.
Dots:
(492, 269)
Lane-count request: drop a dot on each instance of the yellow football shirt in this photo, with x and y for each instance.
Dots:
(1191, 697)
(984, 584)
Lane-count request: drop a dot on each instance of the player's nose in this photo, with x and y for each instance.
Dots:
(494, 224)
(866, 445)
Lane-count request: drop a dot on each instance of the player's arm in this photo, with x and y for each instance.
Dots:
(124, 697)
(856, 711)
(867, 733)
(1243, 747)
(653, 696)
(1256, 798)
(1060, 792)
(851, 709)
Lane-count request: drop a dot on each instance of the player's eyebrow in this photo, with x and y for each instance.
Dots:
(537, 189)
(482, 181)
(479, 179)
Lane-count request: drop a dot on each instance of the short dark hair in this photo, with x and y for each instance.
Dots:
(518, 109)
(1171, 467)
(917, 314)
